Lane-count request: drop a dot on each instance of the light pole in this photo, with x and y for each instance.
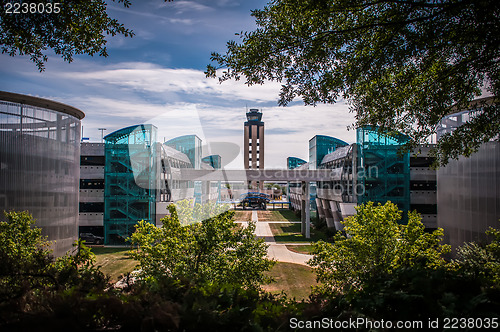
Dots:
(102, 133)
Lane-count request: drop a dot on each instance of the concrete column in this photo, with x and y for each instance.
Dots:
(254, 146)
(288, 198)
(337, 216)
(261, 153)
(321, 212)
(254, 153)
(245, 147)
(302, 212)
(306, 211)
(261, 147)
(58, 127)
(328, 213)
(205, 191)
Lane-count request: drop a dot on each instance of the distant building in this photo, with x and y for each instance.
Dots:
(190, 145)
(294, 162)
(213, 160)
(385, 172)
(39, 164)
(373, 170)
(131, 181)
(468, 196)
(141, 178)
(253, 143)
(320, 146)
(91, 211)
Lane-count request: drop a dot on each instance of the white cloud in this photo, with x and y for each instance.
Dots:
(188, 6)
(125, 94)
(148, 77)
(186, 21)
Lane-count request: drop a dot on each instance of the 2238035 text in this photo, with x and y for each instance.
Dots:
(32, 8)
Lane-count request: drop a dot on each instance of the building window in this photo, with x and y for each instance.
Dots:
(91, 207)
(92, 161)
(423, 185)
(91, 183)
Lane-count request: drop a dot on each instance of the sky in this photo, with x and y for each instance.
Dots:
(157, 77)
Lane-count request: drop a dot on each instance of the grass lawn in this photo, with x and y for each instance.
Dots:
(114, 261)
(290, 233)
(242, 215)
(277, 215)
(301, 248)
(294, 279)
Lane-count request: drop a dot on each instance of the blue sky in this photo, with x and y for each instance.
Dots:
(157, 77)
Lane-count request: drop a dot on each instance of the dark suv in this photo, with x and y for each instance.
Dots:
(91, 238)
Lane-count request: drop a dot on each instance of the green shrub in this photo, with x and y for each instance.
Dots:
(213, 251)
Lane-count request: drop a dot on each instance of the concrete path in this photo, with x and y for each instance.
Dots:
(277, 251)
(281, 222)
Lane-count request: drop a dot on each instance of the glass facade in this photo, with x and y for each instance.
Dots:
(130, 180)
(214, 160)
(254, 115)
(320, 146)
(385, 171)
(39, 164)
(190, 145)
(294, 162)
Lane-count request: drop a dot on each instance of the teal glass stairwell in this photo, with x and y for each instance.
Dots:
(130, 175)
(385, 173)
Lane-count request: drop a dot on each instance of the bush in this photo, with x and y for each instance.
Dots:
(374, 243)
(214, 251)
(481, 261)
(412, 293)
(33, 283)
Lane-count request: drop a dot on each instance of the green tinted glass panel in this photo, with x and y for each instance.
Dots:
(385, 172)
(130, 175)
(320, 146)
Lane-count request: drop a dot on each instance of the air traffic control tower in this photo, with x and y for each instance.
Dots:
(254, 143)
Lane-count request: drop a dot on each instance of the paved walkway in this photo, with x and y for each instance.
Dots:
(277, 251)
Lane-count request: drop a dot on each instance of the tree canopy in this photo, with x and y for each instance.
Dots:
(73, 27)
(214, 251)
(375, 243)
(200, 276)
(31, 279)
(402, 65)
(481, 261)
